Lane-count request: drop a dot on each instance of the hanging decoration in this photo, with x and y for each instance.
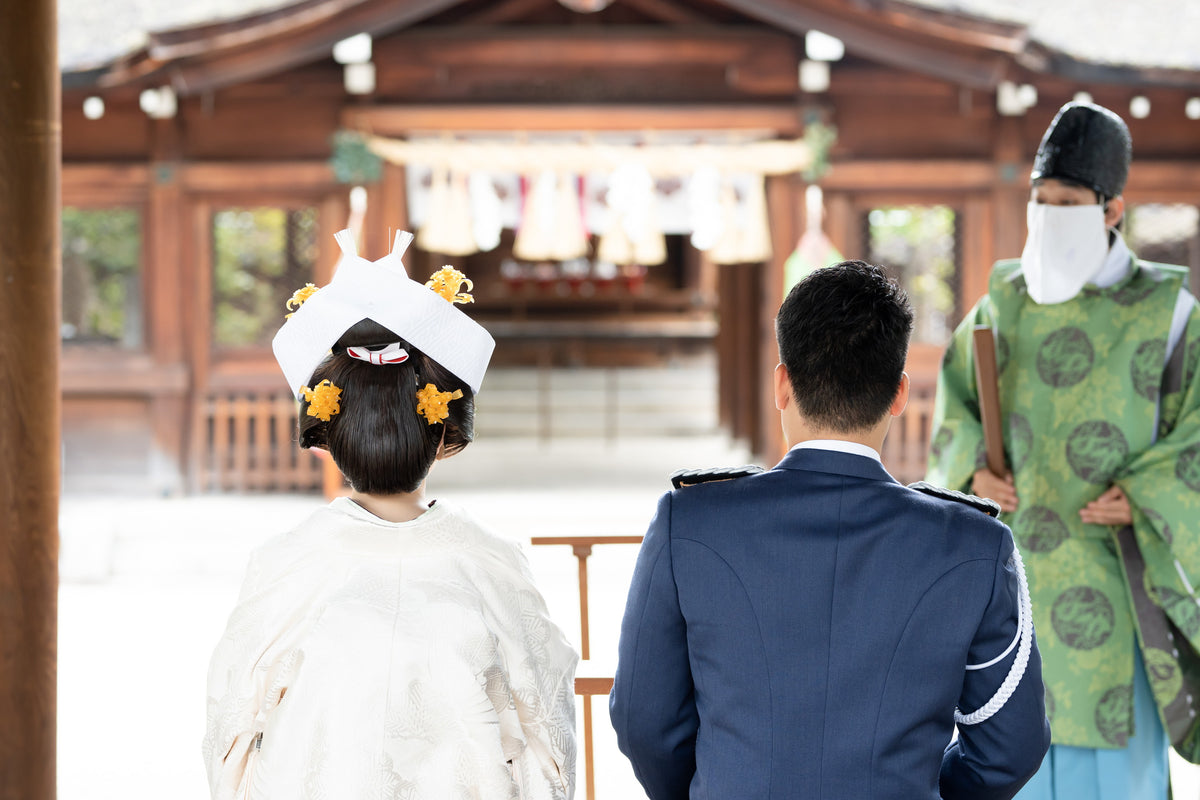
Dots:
(704, 208)
(634, 235)
(551, 226)
(557, 194)
(814, 250)
(448, 228)
(746, 235)
(487, 219)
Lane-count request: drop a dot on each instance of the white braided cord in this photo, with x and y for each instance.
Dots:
(1017, 670)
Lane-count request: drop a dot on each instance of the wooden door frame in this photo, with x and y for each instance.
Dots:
(254, 370)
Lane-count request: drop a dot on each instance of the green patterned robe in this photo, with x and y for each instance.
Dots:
(1079, 396)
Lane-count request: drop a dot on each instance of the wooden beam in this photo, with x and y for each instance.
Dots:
(1040, 58)
(82, 375)
(558, 47)
(910, 175)
(30, 255)
(1010, 169)
(258, 176)
(954, 27)
(282, 45)
(869, 38)
(229, 33)
(667, 11)
(504, 11)
(121, 178)
(1152, 176)
(403, 120)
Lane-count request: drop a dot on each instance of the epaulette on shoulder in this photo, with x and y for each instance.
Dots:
(691, 477)
(989, 507)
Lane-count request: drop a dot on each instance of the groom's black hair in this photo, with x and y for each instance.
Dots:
(843, 336)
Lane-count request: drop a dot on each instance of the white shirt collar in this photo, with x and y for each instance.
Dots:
(1116, 264)
(839, 446)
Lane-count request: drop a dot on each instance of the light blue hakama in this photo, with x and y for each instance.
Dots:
(1135, 772)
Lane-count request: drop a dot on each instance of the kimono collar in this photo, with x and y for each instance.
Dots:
(1118, 265)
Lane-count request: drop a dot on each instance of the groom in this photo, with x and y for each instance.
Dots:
(817, 630)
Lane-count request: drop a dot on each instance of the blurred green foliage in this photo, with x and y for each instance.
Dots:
(101, 262)
(820, 138)
(260, 256)
(352, 161)
(918, 246)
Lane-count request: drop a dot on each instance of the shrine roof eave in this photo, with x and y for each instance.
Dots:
(959, 48)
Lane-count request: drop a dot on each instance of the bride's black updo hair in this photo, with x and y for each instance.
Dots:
(378, 440)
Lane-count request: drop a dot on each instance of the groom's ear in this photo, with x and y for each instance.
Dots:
(901, 398)
(783, 388)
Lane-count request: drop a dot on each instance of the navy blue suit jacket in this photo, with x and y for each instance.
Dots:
(805, 632)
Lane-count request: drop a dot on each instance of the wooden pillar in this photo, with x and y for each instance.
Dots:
(738, 347)
(166, 268)
(785, 202)
(726, 342)
(30, 151)
(978, 248)
(393, 190)
(748, 278)
(840, 224)
(1011, 193)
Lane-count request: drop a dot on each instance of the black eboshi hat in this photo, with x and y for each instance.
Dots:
(1086, 144)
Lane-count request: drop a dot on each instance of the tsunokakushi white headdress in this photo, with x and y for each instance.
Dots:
(424, 315)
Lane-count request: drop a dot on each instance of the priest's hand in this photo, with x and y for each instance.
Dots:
(1110, 508)
(986, 484)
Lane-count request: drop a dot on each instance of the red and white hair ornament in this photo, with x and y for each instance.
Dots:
(391, 354)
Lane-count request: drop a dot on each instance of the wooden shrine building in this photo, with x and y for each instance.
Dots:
(207, 165)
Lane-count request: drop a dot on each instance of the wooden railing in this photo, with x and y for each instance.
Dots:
(905, 450)
(246, 442)
(588, 683)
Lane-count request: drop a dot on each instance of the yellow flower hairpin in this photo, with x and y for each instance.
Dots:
(299, 296)
(447, 281)
(322, 400)
(434, 404)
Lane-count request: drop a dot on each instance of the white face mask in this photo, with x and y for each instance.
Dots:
(1065, 250)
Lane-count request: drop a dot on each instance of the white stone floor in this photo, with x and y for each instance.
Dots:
(148, 583)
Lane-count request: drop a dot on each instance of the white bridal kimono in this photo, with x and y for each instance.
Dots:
(375, 660)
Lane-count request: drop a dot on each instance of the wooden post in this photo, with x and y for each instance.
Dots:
(1011, 192)
(30, 151)
(784, 202)
(170, 412)
(582, 551)
(586, 687)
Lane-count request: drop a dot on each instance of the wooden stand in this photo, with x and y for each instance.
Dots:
(588, 681)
